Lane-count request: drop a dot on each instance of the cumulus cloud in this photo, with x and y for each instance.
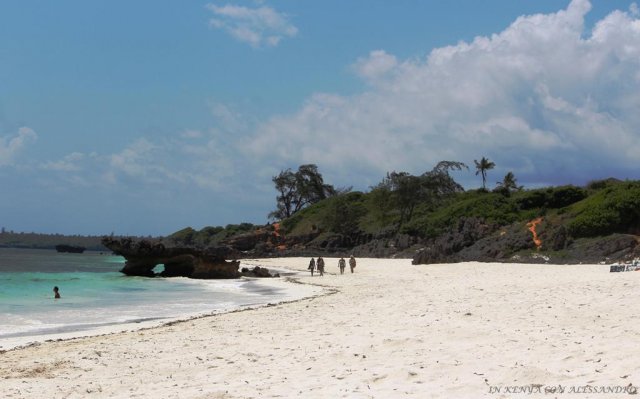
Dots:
(259, 27)
(11, 146)
(546, 98)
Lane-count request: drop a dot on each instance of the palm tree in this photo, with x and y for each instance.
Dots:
(482, 167)
(508, 184)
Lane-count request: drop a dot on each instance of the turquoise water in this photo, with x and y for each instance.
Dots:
(94, 294)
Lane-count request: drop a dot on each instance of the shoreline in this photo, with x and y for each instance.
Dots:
(389, 330)
(289, 293)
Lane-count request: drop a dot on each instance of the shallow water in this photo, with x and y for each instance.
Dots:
(94, 294)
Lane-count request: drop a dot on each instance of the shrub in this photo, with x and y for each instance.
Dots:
(532, 199)
(553, 197)
(613, 209)
(596, 185)
(564, 196)
(184, 237)
(492, 207)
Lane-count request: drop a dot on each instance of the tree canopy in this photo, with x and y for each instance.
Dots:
(402, 192)
(298, 189)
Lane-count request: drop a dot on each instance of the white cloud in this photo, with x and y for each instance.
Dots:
(544, 98)
(137, 160)
(70, 163)
(10, 147)
(190, 158)
(376, 65)
(259, 27)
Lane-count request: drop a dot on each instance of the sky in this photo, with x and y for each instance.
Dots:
(144, 117)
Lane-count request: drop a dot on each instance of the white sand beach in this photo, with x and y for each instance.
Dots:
(390, 330)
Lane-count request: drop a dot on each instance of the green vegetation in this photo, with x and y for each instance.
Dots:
(492, 207)
(614, 208)
(208, 236)
(400, 194)
(297, 190)
(344, 213)
(429, 204)
(552, 197)
(508, 185)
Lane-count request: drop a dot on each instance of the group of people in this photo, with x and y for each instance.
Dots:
(319, 265)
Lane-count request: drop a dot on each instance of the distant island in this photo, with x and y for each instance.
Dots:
(11, 239)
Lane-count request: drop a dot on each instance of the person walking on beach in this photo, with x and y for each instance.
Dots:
(56, 292)
(312, 266)
(352, 263)
(321, 266)
(342, 264)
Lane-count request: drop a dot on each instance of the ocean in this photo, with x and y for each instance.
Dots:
(95, 294)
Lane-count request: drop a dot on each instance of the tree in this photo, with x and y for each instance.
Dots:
(382, 201)
(408, 192)
(345, 213)
(298, 189)
(508, 184)
(482, 167)
(439, 182)
(403, 192)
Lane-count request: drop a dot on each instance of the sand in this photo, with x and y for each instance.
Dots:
(390, 330)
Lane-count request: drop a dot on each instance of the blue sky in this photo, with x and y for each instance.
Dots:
(145, 117)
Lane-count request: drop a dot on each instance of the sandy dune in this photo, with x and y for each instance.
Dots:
(389, 330)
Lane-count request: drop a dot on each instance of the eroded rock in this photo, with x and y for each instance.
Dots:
(142, 256)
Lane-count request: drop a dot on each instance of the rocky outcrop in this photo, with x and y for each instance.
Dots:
(258, 271)
(263, 242)
(475, 240)
(267, 243)
(387, 246)
(616, 247)
(142, 256)
(464, 234)
(73, 249)
(249, 241)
